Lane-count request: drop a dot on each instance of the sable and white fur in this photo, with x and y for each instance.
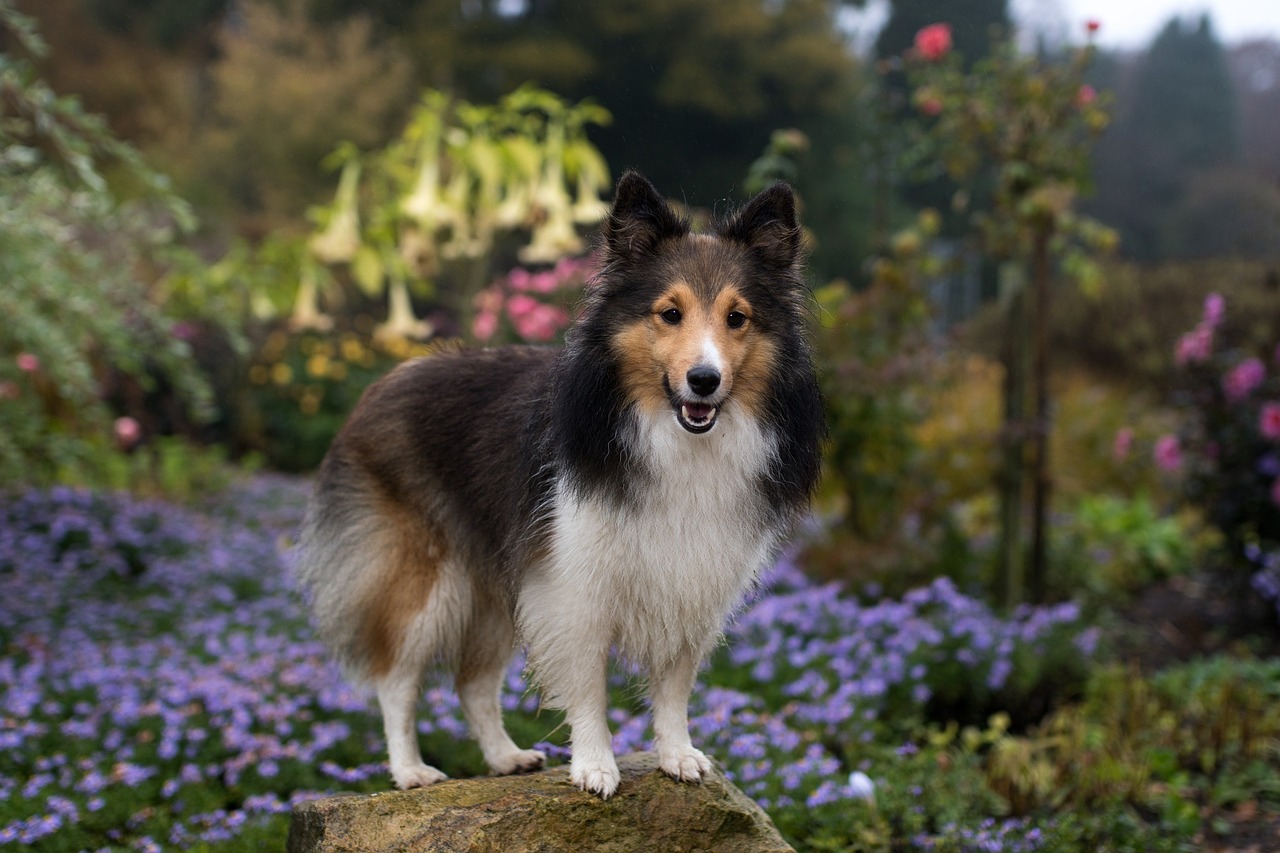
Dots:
(616, 496)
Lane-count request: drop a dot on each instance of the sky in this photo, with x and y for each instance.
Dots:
(1126, 24)
(1135, 23)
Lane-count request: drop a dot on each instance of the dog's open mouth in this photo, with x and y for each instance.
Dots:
(696, 417)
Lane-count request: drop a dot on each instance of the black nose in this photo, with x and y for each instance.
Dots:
(703, 381)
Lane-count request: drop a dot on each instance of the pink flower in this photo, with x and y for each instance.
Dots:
(27, 362)
(541, 323)
(931, 106)
(543, 282)
(1269, 421)
(127, 431)
(1168, 453)
(519, 278)
(1242, 379)
(934, 41)
(1123, 444)
(1086, 95)
(489, 299)
(1214, 305)
(1092, 25)
(484, 325)
(522, 305)
(1195, 346)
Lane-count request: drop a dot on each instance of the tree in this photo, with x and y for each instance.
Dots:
(1029, 119)
(1181, 119)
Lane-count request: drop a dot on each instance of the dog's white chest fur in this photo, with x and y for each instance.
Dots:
(657, 576)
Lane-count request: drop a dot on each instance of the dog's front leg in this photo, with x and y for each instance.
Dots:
(669, 691)
(585, 698)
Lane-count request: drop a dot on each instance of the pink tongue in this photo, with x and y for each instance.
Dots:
(698, 411)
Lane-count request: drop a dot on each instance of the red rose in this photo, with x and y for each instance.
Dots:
(934, 41)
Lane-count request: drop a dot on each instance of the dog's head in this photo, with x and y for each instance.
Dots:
(697, 322)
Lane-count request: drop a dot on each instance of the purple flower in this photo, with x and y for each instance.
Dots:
(1243, 379)
(1168, 453)
(1213, 309)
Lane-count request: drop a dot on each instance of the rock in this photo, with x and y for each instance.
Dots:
(541, 812)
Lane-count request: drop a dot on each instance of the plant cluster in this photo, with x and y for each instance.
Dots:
(160, 686)
(78, 258)
(1228, 448)
(461, 178)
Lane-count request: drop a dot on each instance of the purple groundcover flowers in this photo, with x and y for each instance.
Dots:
(160, 687)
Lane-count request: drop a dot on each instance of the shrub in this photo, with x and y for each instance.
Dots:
(77, 260)
(1228, 447)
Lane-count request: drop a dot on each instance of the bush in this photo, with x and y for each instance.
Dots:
(1228, 447)
(77, 260)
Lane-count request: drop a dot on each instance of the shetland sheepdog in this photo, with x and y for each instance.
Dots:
(618, 495)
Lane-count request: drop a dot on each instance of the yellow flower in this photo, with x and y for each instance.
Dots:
(318, 365)
(281, 373)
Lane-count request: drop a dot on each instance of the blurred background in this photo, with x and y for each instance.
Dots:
(1045, 268)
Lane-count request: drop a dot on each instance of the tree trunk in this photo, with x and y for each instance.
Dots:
(1042, 483)
(1013, 435)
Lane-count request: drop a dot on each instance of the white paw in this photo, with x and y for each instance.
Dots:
(520, 761)
(416, 776)
(685, 764)
(595, 777)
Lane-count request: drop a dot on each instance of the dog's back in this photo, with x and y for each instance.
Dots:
(433, 472)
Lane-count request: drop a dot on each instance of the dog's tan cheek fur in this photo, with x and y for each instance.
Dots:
(411, 554)
(755, 356)
(640, 366)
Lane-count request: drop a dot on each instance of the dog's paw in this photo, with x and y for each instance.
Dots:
(596, 777)
(416, 776)
(684, 764)
(520, 761)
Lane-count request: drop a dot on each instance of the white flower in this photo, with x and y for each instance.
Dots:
(861, 787)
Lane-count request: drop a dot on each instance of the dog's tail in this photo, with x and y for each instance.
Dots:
(369, 568)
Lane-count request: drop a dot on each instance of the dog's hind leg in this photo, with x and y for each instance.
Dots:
(486, 653)
(398, 694)
(669, 689)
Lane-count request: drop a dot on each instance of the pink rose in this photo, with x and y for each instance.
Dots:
(1242, 379)
(1168, 453)
(934, 41)
(1092, 25)
(127, 431)
(1086, 95)
(1269, 421)
(27, 362)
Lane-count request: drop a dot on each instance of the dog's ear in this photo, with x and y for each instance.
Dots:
(640, 220)
(767, 225)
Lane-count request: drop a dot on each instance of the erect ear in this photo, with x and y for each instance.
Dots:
(640, 220)
(767, 226)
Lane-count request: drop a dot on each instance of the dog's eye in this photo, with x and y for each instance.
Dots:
(735, 319)
(671, 316)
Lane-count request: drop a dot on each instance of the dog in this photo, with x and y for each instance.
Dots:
(618, 495)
